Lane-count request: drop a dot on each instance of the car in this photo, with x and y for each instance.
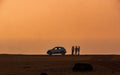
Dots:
(57, 50)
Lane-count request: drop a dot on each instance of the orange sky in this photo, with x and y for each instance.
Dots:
(38, 22)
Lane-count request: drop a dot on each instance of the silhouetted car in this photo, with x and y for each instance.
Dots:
(57, 50)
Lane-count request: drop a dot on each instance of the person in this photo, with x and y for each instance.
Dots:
(73, 50)
(78, 50)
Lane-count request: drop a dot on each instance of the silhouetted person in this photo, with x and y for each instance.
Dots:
(78, 48)
(73, 49)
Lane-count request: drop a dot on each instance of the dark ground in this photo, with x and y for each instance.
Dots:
(58, 65)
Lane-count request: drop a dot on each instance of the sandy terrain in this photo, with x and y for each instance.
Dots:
(58, 65)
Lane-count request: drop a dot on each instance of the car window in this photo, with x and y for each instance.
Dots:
(59, 48)
(55, 48)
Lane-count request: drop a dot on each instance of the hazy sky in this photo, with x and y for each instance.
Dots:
(33, 26)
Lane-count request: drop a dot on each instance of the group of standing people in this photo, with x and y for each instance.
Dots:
(75, 50)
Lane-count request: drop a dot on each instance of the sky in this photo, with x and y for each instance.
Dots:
(34, 26)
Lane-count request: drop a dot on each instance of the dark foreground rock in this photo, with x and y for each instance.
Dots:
(43, 74)
(82, 67)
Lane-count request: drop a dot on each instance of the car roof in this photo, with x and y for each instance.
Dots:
(58, 47)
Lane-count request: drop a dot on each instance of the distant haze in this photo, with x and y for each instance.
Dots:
(34, 26)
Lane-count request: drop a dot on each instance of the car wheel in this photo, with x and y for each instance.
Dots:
(50, 53)
(63, 53)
